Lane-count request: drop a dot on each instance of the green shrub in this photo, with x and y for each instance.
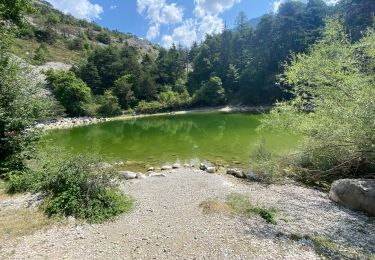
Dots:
(25, 181)
(74, 186)
(83, 188)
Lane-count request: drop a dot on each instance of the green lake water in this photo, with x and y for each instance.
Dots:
(219, 138)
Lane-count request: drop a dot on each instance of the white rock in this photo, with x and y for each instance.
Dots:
(202, 166)
(176, 166)
(211, 169)
(128, 175)
(141, 176)
(151, 169)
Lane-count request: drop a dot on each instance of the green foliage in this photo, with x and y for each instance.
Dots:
(166, 100)
(47, 35)
(40, 56)
(103, 37)
(241, 205)
(22, 103)
(123, 89)
(211, 93)
(14, 11)
(108, 104)
(70, 91)
(74, 186)
(332, 107)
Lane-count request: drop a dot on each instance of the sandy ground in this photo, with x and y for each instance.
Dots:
(168, 223)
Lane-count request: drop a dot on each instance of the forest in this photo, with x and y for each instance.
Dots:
(239, 66)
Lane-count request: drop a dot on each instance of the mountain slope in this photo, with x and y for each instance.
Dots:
(54, 36)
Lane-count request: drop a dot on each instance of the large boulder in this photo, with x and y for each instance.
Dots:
(358, 194)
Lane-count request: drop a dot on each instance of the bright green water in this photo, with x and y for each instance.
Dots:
(220, 138)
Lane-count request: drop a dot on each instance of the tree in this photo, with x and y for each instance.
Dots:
(22, 103)
(22, 98)
(332, 106)
(123, 90)
(70, 91)
(211, 93)
(109, 104)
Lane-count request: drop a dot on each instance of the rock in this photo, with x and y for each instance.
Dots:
(202, 166)
(40, 126)
(176, 166)
(141, 176)
(236, 172)
(211, 169)
(166, 167)
(128, 175)
(357, 194)
(151, 169)
(186, 165)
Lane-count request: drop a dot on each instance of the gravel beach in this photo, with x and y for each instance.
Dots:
(168, 223)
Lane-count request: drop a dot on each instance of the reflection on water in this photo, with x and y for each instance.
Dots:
(225, 138)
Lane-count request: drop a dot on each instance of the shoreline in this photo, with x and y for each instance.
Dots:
(67, 122)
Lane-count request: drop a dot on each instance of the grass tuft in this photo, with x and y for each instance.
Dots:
(238, 204)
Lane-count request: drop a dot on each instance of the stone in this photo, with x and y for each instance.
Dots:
(236, 172)
(252, 176)
(128, 175)
(176, 166)
(202, 166)
(211, 169)
(141, 176)
(357, 194)
(40, 126)
(151, 169)
(166, 167)
(186, 165)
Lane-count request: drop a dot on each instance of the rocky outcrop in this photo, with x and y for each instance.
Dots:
(358, 194)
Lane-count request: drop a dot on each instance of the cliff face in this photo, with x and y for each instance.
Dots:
(52, 36)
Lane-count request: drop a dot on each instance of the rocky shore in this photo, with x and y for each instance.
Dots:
(70, 122)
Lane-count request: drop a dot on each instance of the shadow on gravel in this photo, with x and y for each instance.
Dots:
(349, 236)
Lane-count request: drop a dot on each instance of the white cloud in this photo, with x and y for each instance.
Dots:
(210, 24)
(212, 7)
(82, 9)
(113, 7)
(185, 35)
(206, 21)
(153, 32)
(159, 12)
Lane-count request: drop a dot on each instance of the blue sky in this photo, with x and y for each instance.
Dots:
(166, 21)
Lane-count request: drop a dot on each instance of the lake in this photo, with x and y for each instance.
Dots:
(219, 138)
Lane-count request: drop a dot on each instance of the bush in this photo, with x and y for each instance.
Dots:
(40, 56)
(74, 186)
(103, 37)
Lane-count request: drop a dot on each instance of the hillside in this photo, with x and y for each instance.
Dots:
(54, 36)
